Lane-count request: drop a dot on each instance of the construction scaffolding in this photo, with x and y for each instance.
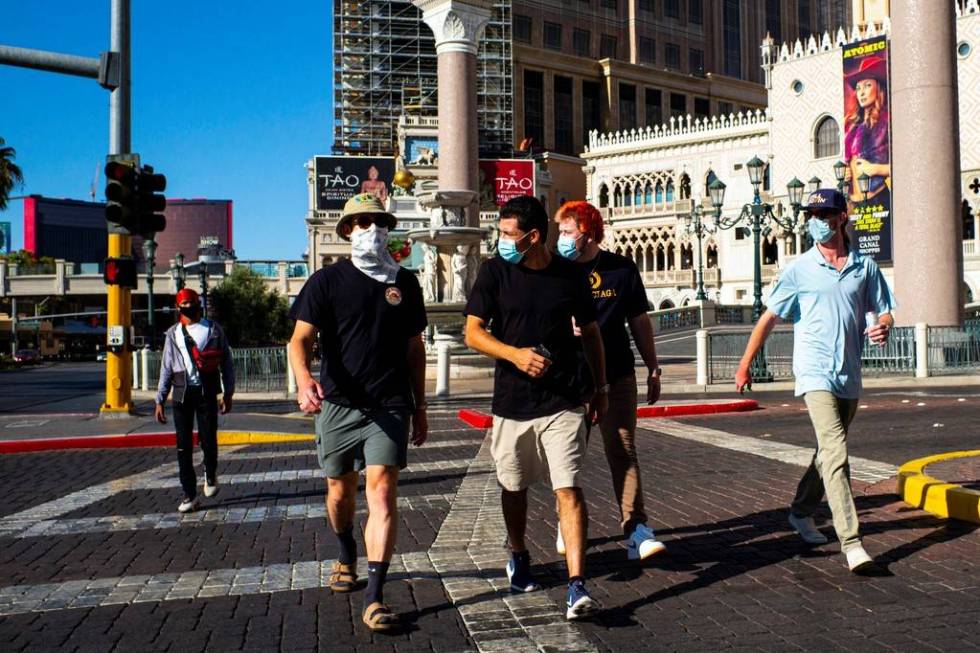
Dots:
(385, 65)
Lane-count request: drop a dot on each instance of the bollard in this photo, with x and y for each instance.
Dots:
(290, 376)
(702, 349)
(136, 369)
(145, 368)
(443, 345)
(921, 350)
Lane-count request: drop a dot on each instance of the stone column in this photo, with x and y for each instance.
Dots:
(925, 164)
(458, 27)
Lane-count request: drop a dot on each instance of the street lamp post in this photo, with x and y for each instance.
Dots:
(839, 169)
(177, 272)
(698, 224)
(149, 254)
(759, 215)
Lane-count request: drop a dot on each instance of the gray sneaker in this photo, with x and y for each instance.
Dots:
(807, 529)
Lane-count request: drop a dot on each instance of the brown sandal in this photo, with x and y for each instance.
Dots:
(343, 578)
(379, 617)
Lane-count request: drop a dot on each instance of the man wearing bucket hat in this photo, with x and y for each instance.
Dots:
(197, 364)
(834, 296)
(369, 316)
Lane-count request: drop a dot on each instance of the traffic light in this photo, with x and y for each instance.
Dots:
(120, 271)
(150, 201)
(121, 198)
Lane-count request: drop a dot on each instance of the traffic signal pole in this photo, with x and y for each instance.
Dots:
(119, 363)
(112, 70)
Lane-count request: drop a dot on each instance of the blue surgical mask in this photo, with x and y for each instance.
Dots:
(567, 248)
(819, 230)
(507, 249)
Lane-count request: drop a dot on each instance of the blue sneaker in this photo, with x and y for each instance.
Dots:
(643, 543)
(519, 575)
(580, 604)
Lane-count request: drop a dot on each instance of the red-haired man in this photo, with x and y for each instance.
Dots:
(618, 293)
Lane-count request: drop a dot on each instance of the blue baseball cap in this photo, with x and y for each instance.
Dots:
(827, 200)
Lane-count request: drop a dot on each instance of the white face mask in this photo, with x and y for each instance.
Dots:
(369, 253)
(370, 242)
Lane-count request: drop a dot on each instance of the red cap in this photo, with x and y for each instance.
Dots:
(188, 295)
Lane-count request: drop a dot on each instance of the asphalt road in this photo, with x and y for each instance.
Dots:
(58, 387)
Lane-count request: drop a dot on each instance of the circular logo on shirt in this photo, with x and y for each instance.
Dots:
(393, 296)
(595, 280)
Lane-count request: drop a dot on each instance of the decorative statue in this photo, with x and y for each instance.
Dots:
(430, 273)
(460, 276)
(473, 267)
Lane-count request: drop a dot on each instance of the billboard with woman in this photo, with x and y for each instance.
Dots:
(867, 145)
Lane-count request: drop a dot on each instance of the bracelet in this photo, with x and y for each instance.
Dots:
(656, 372)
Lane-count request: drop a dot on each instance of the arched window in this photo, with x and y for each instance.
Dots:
(826, 140)
(617, 198)
(648, 194)
(709, 179)
(670, 191)
(627, 196)
(603, 196)
(660, 192)
(711, 260)
(770, 252)
(638, 195)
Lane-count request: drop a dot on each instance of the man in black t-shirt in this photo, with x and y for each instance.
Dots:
(369, 315)
(620, 299)
(528, 298)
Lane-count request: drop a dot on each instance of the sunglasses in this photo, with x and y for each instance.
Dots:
(366, 220)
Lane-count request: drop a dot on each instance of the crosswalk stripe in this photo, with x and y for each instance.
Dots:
(862, 469)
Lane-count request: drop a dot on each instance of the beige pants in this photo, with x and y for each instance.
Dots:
(618, 430)
(829, 471)
(524, 450)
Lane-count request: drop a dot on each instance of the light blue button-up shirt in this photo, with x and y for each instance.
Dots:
(827, 309)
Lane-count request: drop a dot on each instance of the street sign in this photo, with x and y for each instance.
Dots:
(116, 336)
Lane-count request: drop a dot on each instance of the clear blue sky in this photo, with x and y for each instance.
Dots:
(230, 99)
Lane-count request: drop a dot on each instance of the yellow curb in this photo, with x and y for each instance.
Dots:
(933, 495)
(260, 437)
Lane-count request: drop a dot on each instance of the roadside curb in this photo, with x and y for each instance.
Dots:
(935, 496)
(481, 420)
(140, 440)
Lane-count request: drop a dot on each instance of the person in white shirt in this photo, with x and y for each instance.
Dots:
(197, 364)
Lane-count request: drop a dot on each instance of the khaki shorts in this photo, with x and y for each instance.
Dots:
(524, 450)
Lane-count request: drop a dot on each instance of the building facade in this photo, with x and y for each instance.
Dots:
(647, 181)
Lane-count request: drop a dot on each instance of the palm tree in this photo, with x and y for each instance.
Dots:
(10, 173)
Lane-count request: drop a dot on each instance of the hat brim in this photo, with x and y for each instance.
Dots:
(344, 224)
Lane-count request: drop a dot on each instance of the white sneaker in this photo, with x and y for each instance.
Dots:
(807, 529)
(858, 559)
(560, 543)
(643, 543)
(210, 490)
(188, 505)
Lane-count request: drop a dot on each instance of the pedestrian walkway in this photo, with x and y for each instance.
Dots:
(93, 555)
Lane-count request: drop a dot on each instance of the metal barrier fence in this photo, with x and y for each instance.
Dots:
(896, 357)
(952, 350)
(676, 318)
(725, 351)
(257, 369)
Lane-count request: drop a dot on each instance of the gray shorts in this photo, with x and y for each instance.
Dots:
(349, 439)
(524, 451)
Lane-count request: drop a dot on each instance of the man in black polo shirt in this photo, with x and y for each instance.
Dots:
(528, 298)
(369, 315)
(620, 300)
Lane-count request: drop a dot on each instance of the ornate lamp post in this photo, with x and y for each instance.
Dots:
(839, 169)
(149, 254)
(698, 224)
(759, 215)
(814, 184)
(177, 271)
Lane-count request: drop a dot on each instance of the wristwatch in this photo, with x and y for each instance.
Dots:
(656, 372)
